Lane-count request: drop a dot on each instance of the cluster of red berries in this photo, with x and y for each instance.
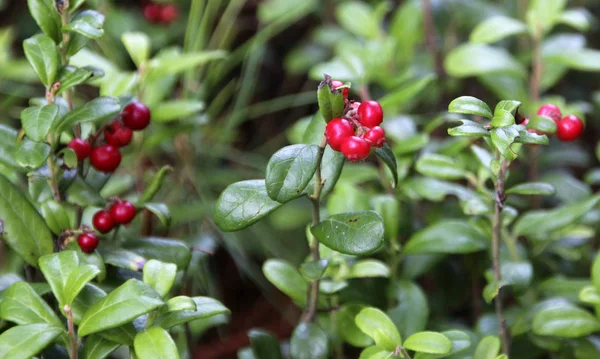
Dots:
(119, 213)
(568, 128)
(358, 130)
(118, 133)
(161, 14)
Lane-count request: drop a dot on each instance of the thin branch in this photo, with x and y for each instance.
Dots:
(71, 332)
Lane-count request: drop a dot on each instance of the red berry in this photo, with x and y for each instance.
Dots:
(569, 128)
(337, 131)
(152, 12)
(105, 158)
(375, 136)
(550, 110)
(87, 242)
(337, 84)
(169, 13)
(81, 148)
(370, 113)
(355, 148)
(123, 212)
(118, 135)
(103, 221)
(136, 116)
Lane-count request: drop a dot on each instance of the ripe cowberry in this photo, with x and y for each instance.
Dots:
(81, 148)
(87, 242)
(123, 212)
(370, 113)
(103, 221)
(118, 135)
(337, 131)
(169, 13)
(152, 12)
(105, 158)
(355, 148)
(136, 116)
(569, 128)
(550, 110)
(375, 136)
(337, 84)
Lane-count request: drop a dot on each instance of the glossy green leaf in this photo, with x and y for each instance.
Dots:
(579, 19)
(178, 63)
(42, 54)
(470, 106)
(176, 110)
(491, 290)
(264, 344)
(487, 348)
(96, 110)
(476, 59)
(87, 23)
(78, 279)
(205, 308)
(179, 303)
(331, 102)
(242, 204)
(542, 15)
(331, 169)
(57, 268)
(286, 278)
(290, 170)
(502, 118)
(55, 215)
(349, 332)
(38, 120)
(565, 321)
(309, 341)
(31, 154)
(503, 138)
(348, 14)
(22, 305)
(70, 76)
(447, 236)
(25, 231)
(460, 342)
(428, 342)
(138, 46)
(388, 208)
(496, 28)
(155, 343)
(411, 312)
(25, 341)
(469, 129)
(376, 324)
(83, 194)
(595, 272)
(96, 347)
(533, 188)
(374, 352)
(155, 184)
(351, 233)
(542, 124)
(7, 146)
(582, 60)
(123, 258)
(314, 270)
(439, 166)
(46, 16)
(531, 138)
(166, 250)
(122, 305)
(589, 294)
(161, 211)
(367, 268)
(386, 156)
(160, 276)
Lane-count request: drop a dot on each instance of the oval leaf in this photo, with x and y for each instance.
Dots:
(25, 341)
(386, 155)
(42, 54)
(94, 111)
(155, 343)
(469, 105)
(351, 233)
(286, 278)
(205, 308)
(309, 341)
(376, 324)
(533, 188)
(449, 236)
(159, 276)
(264, 344)
(476, 59)
(495, 29)
(290, 170)
(46, 16)
(439, 166)
(96, 347)
(428, 342)
(565, 321)
(22, 305)
(38, 120)
(487, 348)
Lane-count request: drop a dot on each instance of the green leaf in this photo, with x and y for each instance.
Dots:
(25, 341)
(376, 324)
(496, 28)
(491, 290)
(78, 279)
(96, 110)
(176, 110)
(542, 124)
(533, 188)
(42, 54)
(386, 155)
(160, 276)
(87, 23)
(314, 270)
(542, 15)
(166, 250)
(7, 146)
(487, 348)
(503, 138)
(541, 222)
(582, 60)
(469, 129)
(388, 208)
(367, 268)
(83, 194)
(531, 138)
(502, 118)
(411, 312)
(38, 120)
(242, 204)
(205, 308)
(70, 76)
(331, 102)
(138, 46)
(96, 347)
(428, 342)
(122, 305)
(31, 154)
(22, 305)
(57, 268)
(589, 294)
(476, 59)
(460, 341)
(399, 100)
(155, 184)
(56, 217)
(331, 169)
(309, 341)
(155, 343)
(313, 134)
(349, 332)
(180, 303)
(447, 236)
(286, 278)
(24, 229)
(439, 166)
(565, 321)
(290, 170)
(161, 211)
(470, 106)
(350, 13)
(578, 19)
(177, 63)
(356, 233)
(46, 16)
(264, 344)
(595, 272)
(374, 352)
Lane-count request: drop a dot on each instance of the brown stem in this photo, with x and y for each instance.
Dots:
(71, 332)
(496, 241)
(53, 182)
(315, 198)
(430, 41)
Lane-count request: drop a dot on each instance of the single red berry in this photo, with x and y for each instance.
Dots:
(169, 13)
(103, 221)
(123, 212)
(118, 135)
(152, 12)
(81, 148)
(337, 131)
(569, 128)
(370, 113)
(105, 158)
(355, 148)
(550, 110)
(375, 136)
(87, 242)
(337, 84)
(136, 116)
